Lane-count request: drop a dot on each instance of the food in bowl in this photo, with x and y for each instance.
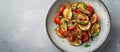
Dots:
(77, 22)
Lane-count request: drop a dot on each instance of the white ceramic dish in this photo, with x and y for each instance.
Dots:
(104, 20)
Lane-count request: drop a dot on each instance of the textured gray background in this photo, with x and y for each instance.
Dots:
(22, 26)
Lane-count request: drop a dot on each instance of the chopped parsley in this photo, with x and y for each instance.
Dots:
(92, 38)
(95, 31)
(82, 22)
(87, 45)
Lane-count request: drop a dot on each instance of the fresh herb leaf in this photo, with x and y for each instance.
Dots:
(87, 45)
(63, 20)
(95, 31)
(82, 22)
(92, 38)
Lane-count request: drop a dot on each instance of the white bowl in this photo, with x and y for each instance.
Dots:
(104, 20)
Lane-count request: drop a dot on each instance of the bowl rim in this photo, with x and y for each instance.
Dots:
(95, 48)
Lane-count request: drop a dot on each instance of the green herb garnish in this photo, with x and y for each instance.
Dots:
(95, 31)
(82, 22)
(87, 45)
(92, 38)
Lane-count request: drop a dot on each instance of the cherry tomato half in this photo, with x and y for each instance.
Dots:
(94, 18)
(62, 9)
(57, 20)
(85, 37)
(90, 8)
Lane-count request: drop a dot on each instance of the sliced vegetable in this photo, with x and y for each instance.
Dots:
(81, 5)
(59, 32)
(92, 38)
(72, 27)
(68, 12)
(82, 19)
(85, 37)
(76, 42)
(78, 33)
(62, 9)
(95, 29)
(89, 7)
(74, 5)
(94, 18)
(77, 22)
(87, 45)
(85, 27)
(70, 38)
(57, 20)
(77, 11)
(63, 26)
(63, 20)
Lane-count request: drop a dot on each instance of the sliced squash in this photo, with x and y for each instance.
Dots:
(76, 42)
(85, 27)
(81, 5)
(74, 5)
(59, 33)
(82, 19)
(67, 13)
(95, 29)
(94, 18)
(63, 26)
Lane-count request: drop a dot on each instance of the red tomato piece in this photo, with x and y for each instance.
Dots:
(90, 8)
(57, 20)
(70, 38)
(85, 37)
(94, 18)
(62, 9)
(72, 27)
(77, 11)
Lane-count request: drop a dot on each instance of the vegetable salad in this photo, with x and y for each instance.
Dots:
(77, 22)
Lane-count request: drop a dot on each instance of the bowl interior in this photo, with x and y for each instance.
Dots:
(63, 44)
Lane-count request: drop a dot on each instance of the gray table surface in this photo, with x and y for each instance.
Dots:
(22, 26)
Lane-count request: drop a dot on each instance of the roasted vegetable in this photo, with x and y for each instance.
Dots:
(76, 42)
(77, 22)
(74, 6)
(57, 20)
(68, 12)
(95, 29)
(85, 27)
(85, 37)
(63, 26)
(89, 7)
(94, 18)
(82, 19)
(59, 32)
(62, 9)
(81, 5)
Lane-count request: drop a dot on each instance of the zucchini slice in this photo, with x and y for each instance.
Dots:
(85, 27)
(81, 5)
(82, 19)
(74, 5)
(76, 43)
(63, 26)
(67, 13)
(95, 29)
(59, 33)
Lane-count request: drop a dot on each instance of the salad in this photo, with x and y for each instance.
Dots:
(77, 22)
